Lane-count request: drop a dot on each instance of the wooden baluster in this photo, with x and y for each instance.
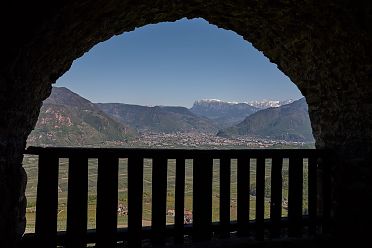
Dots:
(295, 174)
(243, 188)
(313, 194)
(107, 201)
(202, 197)
(47, 201)
(135, 197)
(225, 175)
(180, 199)
(77, 202)
(276, 196)
(260, 198)
(159, 199)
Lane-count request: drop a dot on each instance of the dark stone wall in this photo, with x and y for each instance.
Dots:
(323, 46)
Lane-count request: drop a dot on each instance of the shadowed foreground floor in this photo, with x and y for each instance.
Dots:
(237, 242)
(248, 242)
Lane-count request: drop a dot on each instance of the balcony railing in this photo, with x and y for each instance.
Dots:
(107, 234)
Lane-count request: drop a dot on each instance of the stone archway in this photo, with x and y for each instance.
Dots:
(323, 47)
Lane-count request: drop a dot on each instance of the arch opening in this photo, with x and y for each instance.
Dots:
(161, 76)
(103, 63)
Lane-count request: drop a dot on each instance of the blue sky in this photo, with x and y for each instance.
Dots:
(176, 63)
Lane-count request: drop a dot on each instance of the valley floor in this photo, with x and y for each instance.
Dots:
(194, 140)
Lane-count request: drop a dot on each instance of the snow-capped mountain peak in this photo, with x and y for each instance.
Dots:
(208, 101)
(260, 104)
(263, 104)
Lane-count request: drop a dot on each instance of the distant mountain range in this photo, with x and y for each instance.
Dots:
(287, 122)
(226, 114)
(159, 118)
(67, 119)
(223, 114)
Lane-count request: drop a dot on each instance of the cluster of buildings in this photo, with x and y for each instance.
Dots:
(122, 210)
(203, 140)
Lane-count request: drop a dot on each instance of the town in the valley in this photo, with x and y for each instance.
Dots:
(205, 140)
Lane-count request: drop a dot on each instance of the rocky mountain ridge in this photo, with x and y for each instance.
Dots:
(166, 119)
(287, 122)
(67, 119)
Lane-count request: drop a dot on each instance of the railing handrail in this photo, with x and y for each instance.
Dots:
(95, 152)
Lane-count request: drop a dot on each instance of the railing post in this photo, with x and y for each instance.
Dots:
(159, 199)
(202, 197)
(107, 201)
(77, 202)
(276, 196)
(135, 194)
(180, 199)
(295, 188)
(225, 183)
(260, 198)
(312, 194)
(47, 201)
(243, 188)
